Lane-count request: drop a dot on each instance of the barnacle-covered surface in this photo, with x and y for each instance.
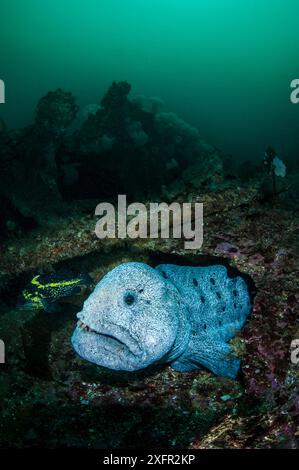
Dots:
(50, 397)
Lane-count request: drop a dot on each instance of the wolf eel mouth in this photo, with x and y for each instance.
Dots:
(130, 345)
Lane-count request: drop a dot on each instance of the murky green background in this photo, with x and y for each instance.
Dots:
(222, 65)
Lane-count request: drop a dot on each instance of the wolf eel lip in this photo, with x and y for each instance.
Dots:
(131, 344)
(85, 327)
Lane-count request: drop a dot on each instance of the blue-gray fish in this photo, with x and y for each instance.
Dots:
(138, 316)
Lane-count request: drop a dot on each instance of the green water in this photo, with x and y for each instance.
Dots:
(225, 66)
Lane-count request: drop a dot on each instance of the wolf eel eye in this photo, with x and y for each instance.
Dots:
(129, 298)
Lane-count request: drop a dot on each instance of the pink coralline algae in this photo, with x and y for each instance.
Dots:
(226, 248)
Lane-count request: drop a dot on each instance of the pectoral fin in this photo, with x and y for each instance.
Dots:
(216, 357)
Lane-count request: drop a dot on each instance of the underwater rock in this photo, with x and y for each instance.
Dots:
(177, 135)
(55, 112)
(150, 105)
(145, 137)
(175, 409)
(91, 108)
(30, 175)
(204, 173)
(137, 134)
(29, 180)
(173, 190)
(59, 159)
(2, 126)
(116, 96)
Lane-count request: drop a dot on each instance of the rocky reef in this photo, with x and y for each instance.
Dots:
(106, 149)
(72, 159)
(77, 402)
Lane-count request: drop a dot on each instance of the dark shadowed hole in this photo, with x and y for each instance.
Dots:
(218, 295)
(202, 299)
(212, 280)
(195, 282)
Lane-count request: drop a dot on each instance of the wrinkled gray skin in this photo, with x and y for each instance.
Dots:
(138, 316)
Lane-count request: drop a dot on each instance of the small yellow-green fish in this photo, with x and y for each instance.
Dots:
(44, 290)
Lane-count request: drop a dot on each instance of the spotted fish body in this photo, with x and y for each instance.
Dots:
(44, 290)
(217, 308)
(138, 316)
